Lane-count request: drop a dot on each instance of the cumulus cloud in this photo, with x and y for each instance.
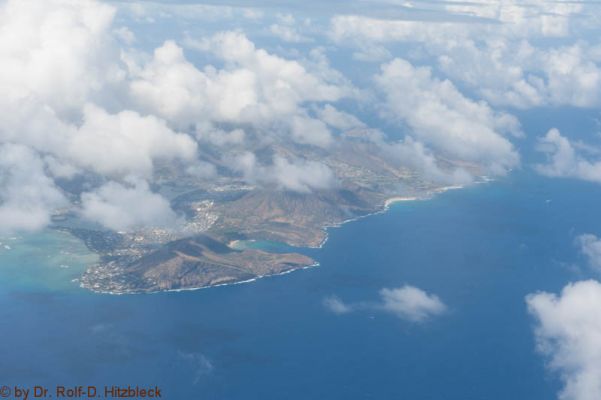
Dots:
(339, 119)
(123, 207)
(76, 93)
(366, 31)
(568, 333)
(414, 154)
(518, 74)
(27, 195)
(59, 52)
(534, 17)
(513, 19)
(408, 303)
(590, 246)
(499, 70)
(56, 57)
(439, 115)
(306, 130)
(337, 306)
(126, 143)
(563, 159)
(220, 137)
(254, 87)
(446, 35)
(108, 144)
(280, 79)
(172, 87)
(411, 303)
(498, 53)
(572, 76)
(66, 70)
(61, 71)
(287, 29)
(302, 176)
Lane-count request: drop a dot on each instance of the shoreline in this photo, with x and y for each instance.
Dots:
(393, 200)
(384, 208)
(192, 289)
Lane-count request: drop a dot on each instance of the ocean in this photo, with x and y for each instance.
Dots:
(480, 249)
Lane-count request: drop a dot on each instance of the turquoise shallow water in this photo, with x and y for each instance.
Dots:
(481, 250)
(48, 260)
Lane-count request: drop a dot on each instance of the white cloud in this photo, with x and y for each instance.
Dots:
(287, 29)
(170, 86)
(61, 70)
(59, 168)
(125, 35)
(302, 176)
(108, 144)
(126, 143)
(280, 79)
(530, 17)
(59, 52)
(564, 160)
(590, 246)
(501, 57)
(27, 195)
(367, 30)
(521, 75)
(407, 303)
(254, 87)
(123, 207)
(76, 93)
(573, 78)
(568, 332)
(500, 70)
(157, 11)
(512, 19)
(287, 33)
(337, 306)
(416, 156)
(220, 137)
(338, 119)
(440, 116)
(306, 130)
(411, 303)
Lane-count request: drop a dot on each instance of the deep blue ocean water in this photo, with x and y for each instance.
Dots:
(481, 249)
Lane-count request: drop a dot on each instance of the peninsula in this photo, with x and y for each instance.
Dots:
(197, 255)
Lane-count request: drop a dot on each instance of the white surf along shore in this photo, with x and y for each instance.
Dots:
(238, 244)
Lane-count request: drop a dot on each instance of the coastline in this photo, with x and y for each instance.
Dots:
(391, 201)
(191, 289)
(383, 208)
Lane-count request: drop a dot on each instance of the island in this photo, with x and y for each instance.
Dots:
(228, 210)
